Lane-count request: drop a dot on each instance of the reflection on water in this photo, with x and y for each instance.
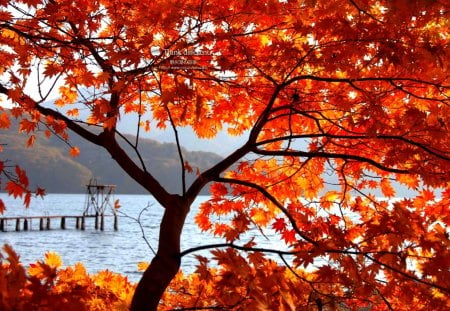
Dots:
(119, 251)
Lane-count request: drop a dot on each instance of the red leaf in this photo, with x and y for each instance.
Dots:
(40, 192)
(289, 236)
(27, 126)
(219, 190)
(27, 199)
(14, 189)
(2, 206)
(22, 177)
(279, 225)
(187, 167)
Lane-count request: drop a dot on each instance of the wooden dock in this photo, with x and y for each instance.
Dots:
(97, 202)
(25, 223)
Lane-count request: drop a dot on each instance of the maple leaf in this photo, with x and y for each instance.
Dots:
(4, 120)
(14, 189)
(289, 236)
(27, 199)
(279, 225)
(22, 176)
(117, 204)
(319, 122)
(387, 188)
(2, 206)
(53, 260)
(74, 152)
(27, 126)
(31, 140)
(218, 190)
(40, 192)
(142, 266)
(187, 167)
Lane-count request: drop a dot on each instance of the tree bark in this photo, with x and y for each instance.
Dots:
(166, 263)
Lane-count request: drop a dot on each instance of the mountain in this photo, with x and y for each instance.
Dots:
(222, 144)
(49, 165)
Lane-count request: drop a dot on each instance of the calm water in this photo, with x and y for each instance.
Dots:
(119, 251)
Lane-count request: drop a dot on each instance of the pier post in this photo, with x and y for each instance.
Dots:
(63, 223)
(82, 223)
(2, 225)
(18, 224)
(25, 225)
(116, 223)
(48, 223)
(96, 221)
(41, 224)
(102, 222)
(77, 224)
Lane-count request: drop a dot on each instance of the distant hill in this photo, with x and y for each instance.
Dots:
(49, 165)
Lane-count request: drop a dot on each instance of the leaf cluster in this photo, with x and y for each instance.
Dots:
(47, 285)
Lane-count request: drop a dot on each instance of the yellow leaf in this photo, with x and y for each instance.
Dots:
(68, 95)
(53, 260)
(265, 40)
(142, 266)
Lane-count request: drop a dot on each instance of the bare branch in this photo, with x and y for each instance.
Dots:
(139, 222)
(180, 152)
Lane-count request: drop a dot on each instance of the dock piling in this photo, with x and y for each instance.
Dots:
(96, 221)
(102, 222)
(64, 221)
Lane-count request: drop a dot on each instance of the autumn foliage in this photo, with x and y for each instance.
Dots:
(46, 285)
(343, 108)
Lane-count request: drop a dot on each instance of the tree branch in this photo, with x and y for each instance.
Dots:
(407, 275)
(354, 137)
(329, 155)
(180, 152)
(272, 199)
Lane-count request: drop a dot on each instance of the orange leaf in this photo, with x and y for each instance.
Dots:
(188, 167)
(4, 121)
(387, 188)
(117, 204)
(143, 265)
(27, 126)
(30, 141)
(53, 260)
(74, 152)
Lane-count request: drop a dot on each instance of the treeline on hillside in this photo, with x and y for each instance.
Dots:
(49, 165)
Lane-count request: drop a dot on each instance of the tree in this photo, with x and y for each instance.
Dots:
(337, 99)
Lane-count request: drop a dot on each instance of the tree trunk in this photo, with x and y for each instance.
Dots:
(166, 263)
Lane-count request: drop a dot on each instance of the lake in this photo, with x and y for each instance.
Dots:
(118, 251)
